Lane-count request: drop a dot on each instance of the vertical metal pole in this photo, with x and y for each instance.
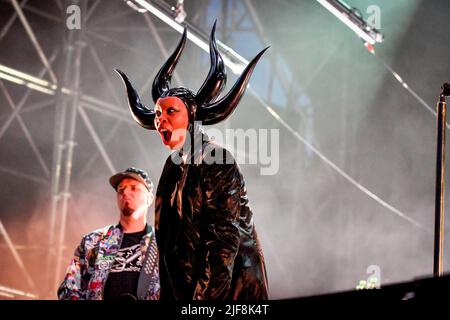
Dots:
(65, 125)
(58, 152)
(440, 184)
(69, 145)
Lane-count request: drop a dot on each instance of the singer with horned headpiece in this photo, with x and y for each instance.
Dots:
(207, 241)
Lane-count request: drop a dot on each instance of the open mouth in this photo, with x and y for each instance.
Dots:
(166, 135)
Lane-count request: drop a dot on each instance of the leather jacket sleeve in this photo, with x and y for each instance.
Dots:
(221, 185)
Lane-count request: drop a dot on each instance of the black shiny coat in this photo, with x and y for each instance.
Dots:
(207, 241)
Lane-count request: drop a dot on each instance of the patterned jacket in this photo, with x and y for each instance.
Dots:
(88, 271)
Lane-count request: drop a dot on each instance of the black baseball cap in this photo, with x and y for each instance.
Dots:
(132, 173)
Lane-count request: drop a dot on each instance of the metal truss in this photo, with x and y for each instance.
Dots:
(71, 104)
(64, 91)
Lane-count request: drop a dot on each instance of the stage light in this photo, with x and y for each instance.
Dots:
(11, 78)
(30, 81)
(347, 15)
(25, 79)
(24, 76)
(39, 88)
(14, 293)
(135, 7)
(236, 67)
(180, 14)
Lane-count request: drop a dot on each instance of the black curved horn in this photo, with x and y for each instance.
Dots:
(162, 79)
(220, 110)
(217, 78)
(144, 116)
